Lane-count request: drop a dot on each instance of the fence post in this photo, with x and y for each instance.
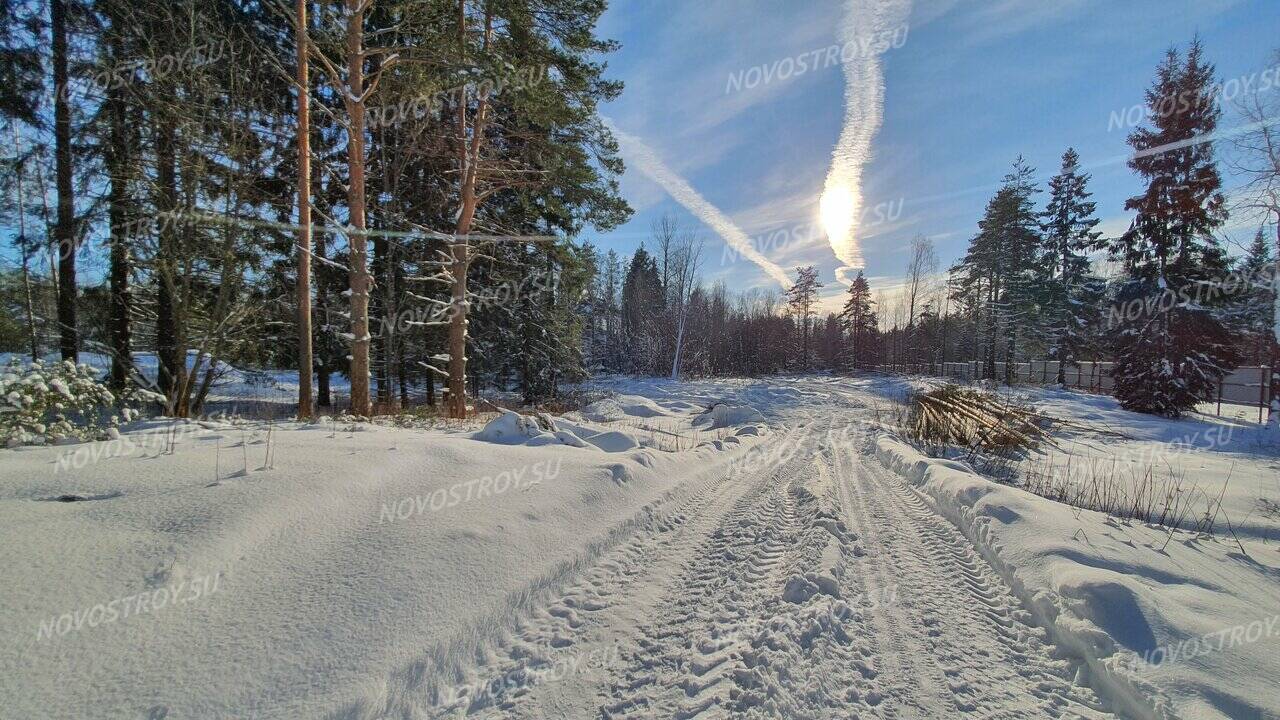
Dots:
(1263, 383)
(1219, 412)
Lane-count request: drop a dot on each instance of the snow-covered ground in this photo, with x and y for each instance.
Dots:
(776, 556)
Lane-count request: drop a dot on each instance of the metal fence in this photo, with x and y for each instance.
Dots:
(1249, 386)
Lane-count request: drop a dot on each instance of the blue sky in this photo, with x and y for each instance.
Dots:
(973, 84)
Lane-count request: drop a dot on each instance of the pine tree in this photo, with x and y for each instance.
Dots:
(1069, 294)
(801, 297)
(995, 280)
(20, 69)
(66, 235)
(859, 318)
(1169, 360)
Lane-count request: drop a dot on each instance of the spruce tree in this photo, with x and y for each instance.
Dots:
(1170, 359)
(996, 279)
(859, 318)
(1069, 293)
(1018, 240)
(641, 305)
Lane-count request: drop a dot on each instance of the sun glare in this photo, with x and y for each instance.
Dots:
(836, 210)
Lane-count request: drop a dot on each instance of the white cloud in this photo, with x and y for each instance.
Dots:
(864, 22)
(647, 161)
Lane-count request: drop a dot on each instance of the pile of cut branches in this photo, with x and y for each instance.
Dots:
(980, 421)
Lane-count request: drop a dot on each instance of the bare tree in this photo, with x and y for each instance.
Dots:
(923, 261)
(1257, 160)
(665, 231)
(25, 248)
(687, 258)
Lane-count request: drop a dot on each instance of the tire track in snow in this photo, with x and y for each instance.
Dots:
(687, 661)
(748, 598)
(760, 624)
(899, 691)
(599, 605)
(985, 658)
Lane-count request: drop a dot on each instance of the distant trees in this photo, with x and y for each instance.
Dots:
(1256, 311)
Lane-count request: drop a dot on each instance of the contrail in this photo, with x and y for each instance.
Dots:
(865, 25)
(648, 162)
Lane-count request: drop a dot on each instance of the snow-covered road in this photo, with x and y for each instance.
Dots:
(809, 583)
(777, 556)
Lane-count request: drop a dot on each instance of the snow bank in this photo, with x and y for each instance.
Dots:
(512, 428)
(723, 415)
(1167, 625)
(621, 407)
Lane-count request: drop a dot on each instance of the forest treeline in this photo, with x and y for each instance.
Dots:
(394, 191)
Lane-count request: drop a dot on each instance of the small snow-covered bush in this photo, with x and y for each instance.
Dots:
(41, 403)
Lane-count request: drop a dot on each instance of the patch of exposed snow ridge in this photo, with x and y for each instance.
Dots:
(511, 428)
(723, 415)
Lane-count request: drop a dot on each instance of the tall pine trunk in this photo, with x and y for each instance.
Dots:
(118, 220)
(171, 365)
(358, 238)
(305, 358)
(64, 231)
(469, 159)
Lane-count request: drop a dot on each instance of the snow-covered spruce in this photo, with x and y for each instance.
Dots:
(48, 403)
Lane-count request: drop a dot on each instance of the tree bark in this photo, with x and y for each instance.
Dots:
(469, 158)
(171, 366)
(358, 239)
(118, 220)
(23, 247)
(306, 360)
(64, 230)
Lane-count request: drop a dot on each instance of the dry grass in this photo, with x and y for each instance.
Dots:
(668, 435)
(981, 422)
(1143, 491)
(1009, 442)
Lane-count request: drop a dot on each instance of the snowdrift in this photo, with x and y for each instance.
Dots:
(512, 428)
(1168, 626)
(621, 407)
(722, 415)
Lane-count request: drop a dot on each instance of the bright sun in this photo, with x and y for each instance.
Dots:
(836, 210)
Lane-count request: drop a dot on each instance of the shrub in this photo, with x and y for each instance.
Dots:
(42, 403)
